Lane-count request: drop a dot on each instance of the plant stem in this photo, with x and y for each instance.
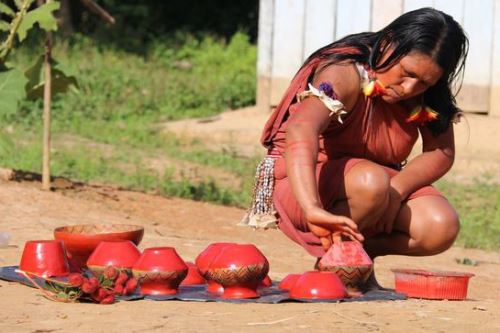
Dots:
(7, 45)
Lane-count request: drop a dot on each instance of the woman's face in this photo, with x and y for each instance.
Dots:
(410, 76)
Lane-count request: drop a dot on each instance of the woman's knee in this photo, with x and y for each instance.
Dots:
(368, 182)
(443, 230)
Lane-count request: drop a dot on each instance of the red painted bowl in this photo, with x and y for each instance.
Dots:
(203, 261)
(318, 285)
(349, 261)
(267, 282)
(119, 254)
(159, 271)
(44, 258)
(81, 240)
(288, 281)
(418, 283)
(240, 269)
(193, 277)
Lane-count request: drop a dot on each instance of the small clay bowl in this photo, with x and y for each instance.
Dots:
(288, 281)
(120, 254)
(419, 283)
(240, 269)
(82, 239)
(46, 258)
(266, 283)
(203, 261)
(318, 285)
(349, 261)
(193, 277)
(159, 271)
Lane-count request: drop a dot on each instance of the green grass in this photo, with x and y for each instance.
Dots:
(478, 205)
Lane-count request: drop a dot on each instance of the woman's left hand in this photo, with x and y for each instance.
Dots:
(387, 220)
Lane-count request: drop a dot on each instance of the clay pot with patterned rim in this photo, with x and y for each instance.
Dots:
(239, 269)
(159, 271)
(318, 285)
(46, 258)
(193, 277)
(82, 239)
(203, 261)
(349, 261)
(120, 254)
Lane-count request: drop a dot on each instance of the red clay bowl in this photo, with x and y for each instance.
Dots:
(159, 271)
(81, 240)
(120, 254)
(44, 258)
(288, 281)
(203, 261)
(418, 283)
(193, 277)
(239, 269)
(349, 261)
(318, 285)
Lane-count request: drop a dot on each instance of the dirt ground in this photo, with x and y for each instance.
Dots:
(28, 213)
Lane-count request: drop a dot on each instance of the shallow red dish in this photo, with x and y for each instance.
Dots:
(44, 258)
(82, 239)
(120, 254)
(318, 285)
(159, 271)
(288, 281)
(193, 277)
(419, 283)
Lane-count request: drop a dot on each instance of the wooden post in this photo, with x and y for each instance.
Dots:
(47, 97)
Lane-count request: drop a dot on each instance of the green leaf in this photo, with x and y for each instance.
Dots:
(6, 10)
(4, 26)
(43, 16)
(61, 82)
(12, 91)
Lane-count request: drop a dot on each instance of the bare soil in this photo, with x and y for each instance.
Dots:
(27, 212)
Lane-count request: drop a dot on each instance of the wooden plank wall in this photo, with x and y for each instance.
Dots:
(290, 30)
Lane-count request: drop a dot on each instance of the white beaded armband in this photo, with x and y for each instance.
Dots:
(335, 106)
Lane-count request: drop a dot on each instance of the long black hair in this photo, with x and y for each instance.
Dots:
(426, 30)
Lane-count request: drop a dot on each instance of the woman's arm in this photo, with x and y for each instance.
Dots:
(435, 160)
(301, 152)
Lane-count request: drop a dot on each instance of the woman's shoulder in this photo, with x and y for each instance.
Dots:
(344, 78)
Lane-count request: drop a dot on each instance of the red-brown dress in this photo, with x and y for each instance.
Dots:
(373, 130)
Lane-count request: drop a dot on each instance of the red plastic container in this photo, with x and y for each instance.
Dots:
(418, 283)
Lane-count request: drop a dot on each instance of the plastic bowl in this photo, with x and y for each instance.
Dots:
(45, 258)
(419, 283)
(82, 239)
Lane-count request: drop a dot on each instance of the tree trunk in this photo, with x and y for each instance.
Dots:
(64, 18)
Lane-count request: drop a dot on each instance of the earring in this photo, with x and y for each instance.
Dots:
(371, 85)
(422, 114)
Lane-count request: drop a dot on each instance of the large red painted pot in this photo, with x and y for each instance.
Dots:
(349, 261)
(159, 271)
(45, 258)
(82, 239)
(120, 254)
(203, 261)
(318, 285)
(240, 269)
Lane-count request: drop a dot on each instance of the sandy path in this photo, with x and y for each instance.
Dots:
(29, 213)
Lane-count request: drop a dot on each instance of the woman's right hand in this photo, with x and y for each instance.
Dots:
(326, 226)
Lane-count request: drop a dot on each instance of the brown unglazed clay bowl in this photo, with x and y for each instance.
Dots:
(240, 269)
(82, 239)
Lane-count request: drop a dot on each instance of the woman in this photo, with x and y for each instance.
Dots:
(337, 152)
